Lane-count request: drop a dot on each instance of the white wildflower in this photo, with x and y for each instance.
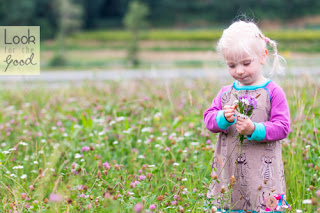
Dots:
(111, 123)
(187, 134)
(43, 140)
(141, 156)
(128, 131)
(308, 201)
(77, 155)
(17, 167)
(194, 143)
(13, 175)
(23, 143)
(176, 164)
(53, 128)
(146, 129)
(24, 176)
(5, 152)
(3, 144)
(151, 166)
(120, 118)
(115, 142)
(35, 162)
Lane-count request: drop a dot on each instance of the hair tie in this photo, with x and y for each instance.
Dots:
(267, 40)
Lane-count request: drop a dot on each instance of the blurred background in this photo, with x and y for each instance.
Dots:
(163, 34)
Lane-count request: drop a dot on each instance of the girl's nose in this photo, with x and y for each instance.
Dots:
(239, 70)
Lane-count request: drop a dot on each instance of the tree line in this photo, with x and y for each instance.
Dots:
(108, 14)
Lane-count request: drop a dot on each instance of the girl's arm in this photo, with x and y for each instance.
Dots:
(279, 125)
(214, 118)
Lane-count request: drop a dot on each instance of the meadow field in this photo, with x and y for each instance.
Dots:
(163, 49)
(134, 146)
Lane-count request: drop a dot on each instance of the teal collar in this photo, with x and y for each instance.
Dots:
(237, 87)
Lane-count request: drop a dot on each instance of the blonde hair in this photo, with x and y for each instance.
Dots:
(242, 38)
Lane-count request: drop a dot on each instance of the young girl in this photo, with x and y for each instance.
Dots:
(256, 172)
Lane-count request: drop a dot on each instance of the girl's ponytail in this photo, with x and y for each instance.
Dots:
(278, 60)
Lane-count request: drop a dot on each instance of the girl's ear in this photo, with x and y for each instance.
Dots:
(264, 57)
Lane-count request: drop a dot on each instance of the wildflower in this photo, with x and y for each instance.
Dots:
(176, 197)
(142, 177)
(318, 193)
(17, 167)
(89, 206)
(85, 149)
(80, 188)
(69, 201)
(24, 176)
(106, 165)
(308, 201)
(78, 155)
(83, 196)
(31, 187)
(167, 149)
(116, 167)
(152, 206)
(55, 198)
(160, 198)
(138, 207)
(174, 203)
(208, 142)
(181, 209)
(194, 190)
(23, 195)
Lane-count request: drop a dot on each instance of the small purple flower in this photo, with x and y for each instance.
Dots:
(152, 206)
(138, 207)
(174, 203)
(83, 195)
(208, 142)
(85, 149)
(167, 149)
(176, 197)
(142, 177)
(55, 198)
(106, 165)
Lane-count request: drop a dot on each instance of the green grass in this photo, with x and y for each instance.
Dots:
(193, 35)
(130, 124)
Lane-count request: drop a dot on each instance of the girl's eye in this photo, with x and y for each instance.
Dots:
(246, 63)
(231, 66)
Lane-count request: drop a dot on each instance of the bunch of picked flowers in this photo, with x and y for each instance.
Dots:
(245, 104)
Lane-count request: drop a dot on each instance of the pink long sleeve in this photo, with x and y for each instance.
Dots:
(279, 125)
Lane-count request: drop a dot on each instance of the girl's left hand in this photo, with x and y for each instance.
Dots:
(244, 126)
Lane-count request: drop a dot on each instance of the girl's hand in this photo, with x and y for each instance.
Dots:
(229, 112)
(244, 126)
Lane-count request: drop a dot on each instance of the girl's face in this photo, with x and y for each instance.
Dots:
(247, 70)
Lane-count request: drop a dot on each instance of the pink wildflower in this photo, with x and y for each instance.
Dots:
(85, 149)
(106, 165)
(55, 198)
(138, 207)
(176, 197)
(31, 187)
(174, 203)
(152, 206)
(167, 149)
(142, 177)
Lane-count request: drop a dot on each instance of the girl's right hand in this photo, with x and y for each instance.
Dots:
(229, 112)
